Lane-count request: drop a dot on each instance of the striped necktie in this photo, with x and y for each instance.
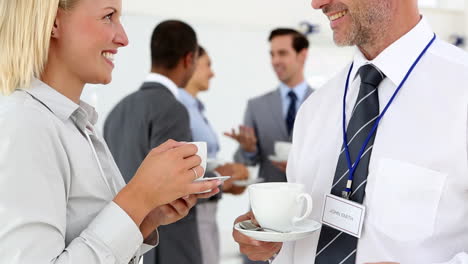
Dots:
(336, 247)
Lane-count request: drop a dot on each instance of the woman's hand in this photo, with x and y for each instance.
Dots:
(166, 174)
(171, 213)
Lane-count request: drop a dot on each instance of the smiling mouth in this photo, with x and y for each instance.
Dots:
(108, 56)
(338, 15)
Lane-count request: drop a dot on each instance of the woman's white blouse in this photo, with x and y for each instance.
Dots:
(55, 200)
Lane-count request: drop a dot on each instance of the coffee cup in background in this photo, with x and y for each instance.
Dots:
(253, 172)
(282, 149)
(279, 205)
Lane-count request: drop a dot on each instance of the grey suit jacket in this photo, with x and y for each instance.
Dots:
(140, 122)
(265, 115)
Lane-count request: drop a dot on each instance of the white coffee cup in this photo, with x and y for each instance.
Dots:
(278, 205)
(253, 172)
(282, 149)
(202, 153)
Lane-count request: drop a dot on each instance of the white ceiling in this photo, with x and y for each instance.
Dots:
(446, 16)
(237, 12)
(248, 12)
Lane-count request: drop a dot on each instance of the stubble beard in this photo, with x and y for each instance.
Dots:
(368, 23)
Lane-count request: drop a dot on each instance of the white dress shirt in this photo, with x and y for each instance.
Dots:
(55, 196)
(417, 187)
(168, 83)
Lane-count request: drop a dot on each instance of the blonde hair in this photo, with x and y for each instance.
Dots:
(25, 32)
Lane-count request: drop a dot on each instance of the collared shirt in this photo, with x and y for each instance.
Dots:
(159, 78)
(201, 128)
(56, 188)
(300, 91)
(417, 185)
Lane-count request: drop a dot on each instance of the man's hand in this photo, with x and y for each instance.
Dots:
(246, 138)
(255, 250)
(281, 165)
(238, 172)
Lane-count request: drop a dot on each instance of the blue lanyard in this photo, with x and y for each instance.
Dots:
(352, 167)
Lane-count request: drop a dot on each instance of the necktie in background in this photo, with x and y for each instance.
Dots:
(291, 114)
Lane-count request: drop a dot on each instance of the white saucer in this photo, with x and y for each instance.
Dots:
(303, 230)
(221, 178)
(248, 182)
(277, 159)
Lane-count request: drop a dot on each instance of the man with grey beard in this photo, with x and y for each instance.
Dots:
(385, 140)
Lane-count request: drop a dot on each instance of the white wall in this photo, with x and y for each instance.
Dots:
(446, 22)
(239, 12)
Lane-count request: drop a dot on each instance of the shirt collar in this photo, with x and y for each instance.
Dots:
(189, 101)
(396, 60)
(62, 106)
(299, 90)
(187, 98)
(159, 78)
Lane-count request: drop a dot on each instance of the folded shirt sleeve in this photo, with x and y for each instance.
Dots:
(150, 242)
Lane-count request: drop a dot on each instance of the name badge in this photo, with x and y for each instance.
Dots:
(343, 215)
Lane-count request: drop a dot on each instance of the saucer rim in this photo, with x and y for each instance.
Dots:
(245, 183)
(222, 178)
(271, 236)
(276, 158)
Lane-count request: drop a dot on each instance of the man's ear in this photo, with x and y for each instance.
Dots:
(189, 59)
(303, 55)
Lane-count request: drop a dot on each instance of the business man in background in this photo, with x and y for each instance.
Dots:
(152, 115)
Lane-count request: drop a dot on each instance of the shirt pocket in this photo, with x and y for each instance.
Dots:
(405, 200)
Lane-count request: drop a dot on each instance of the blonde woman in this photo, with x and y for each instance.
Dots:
(62, 198)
